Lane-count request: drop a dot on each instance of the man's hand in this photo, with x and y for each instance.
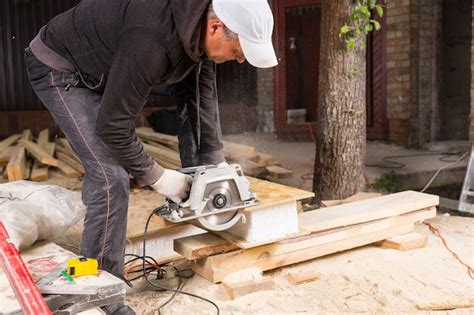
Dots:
(173, 185)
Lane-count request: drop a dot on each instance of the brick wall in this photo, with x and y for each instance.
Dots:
(411, 65)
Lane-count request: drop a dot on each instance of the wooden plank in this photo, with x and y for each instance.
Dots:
(299, 277)
(278, 172)
(238, 152)
(203, 245)
(16, 168)
(163, 153)
(40, 172)
(26, 135)
(265, 159)
(366, 210)
(331, 236)
(237, 289)
(295, 250)
(252, 168)
(356, 197)
(43, 137)
(65, 147)
(206, 267)
(271, 194)
(405, 242)
(148, 134)
(9, 141)
(446, 305)
(242, 243)
(6, 154)
(67, 171)
(70, 161)
(40, 154)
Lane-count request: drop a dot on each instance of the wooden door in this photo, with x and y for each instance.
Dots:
(297, 43)
(297, 35)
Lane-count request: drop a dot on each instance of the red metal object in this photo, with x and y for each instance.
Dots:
(20, 279)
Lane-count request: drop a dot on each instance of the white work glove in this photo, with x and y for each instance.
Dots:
(222, 164)
(173, 185)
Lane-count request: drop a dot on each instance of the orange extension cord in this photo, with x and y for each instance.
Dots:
(436, 231)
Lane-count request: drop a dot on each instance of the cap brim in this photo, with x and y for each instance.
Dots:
(258, 55)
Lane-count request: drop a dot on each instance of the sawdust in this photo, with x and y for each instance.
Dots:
(364, 280)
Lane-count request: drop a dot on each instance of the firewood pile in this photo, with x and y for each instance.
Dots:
(24, 156)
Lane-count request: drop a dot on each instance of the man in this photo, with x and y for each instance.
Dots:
(94, 66)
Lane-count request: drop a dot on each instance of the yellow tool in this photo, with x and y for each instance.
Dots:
(82, 266)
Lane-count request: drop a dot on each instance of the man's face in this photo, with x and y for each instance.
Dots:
(217, 47)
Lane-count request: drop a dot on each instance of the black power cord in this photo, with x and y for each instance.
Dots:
(162, 288)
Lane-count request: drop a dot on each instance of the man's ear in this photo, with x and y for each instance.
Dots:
(214, 25)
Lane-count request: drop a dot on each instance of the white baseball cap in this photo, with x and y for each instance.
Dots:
(252, 20)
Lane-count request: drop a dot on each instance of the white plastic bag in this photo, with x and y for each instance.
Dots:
(31, 211)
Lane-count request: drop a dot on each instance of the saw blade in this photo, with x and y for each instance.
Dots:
(221, 195)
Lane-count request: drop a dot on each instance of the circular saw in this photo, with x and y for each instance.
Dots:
(217, 196)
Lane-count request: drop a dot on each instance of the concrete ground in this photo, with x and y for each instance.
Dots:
(412, 169)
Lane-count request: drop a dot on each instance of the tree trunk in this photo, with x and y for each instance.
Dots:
(341, 122)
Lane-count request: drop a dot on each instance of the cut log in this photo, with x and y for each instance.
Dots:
(203, 245)
(41, 155)
(366, 210)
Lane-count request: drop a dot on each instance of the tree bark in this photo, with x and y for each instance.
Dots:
(341, 123)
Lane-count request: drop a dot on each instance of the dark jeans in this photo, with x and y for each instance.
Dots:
(106, 184)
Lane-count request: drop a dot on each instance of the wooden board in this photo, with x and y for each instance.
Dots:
(405, 242)
(5, 143)
(148, 134)
(70, 161)
(67, 170)
(270, 194)
(16, 168)
(40, 154)
(41, 172)
(295, 250)
(242, 243)
(163, 154)
(203, 245)
(207, 269)
(6, 154)
(356, 197)
(366, 210)
(299, 277)
(278, 172)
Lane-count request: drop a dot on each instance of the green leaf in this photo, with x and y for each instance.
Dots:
(345, 29)
(350, 43)
(369, 28)
(379, 10)
(372, 3)
(376, 24)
